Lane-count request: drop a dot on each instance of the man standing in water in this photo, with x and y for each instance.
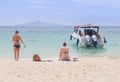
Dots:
(16, 44)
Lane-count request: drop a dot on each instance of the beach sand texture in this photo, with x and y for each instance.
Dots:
(87, 69)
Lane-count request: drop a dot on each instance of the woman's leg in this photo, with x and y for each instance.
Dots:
(17, 55)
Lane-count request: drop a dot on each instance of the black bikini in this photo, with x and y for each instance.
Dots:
(17, 46)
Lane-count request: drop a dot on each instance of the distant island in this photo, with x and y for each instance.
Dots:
(40, 23)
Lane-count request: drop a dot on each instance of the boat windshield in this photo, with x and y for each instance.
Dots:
(90, 31)
(75, 30)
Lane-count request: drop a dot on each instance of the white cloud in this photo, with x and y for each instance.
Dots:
(45, 2)
(38, 3)
(42, 2)
(38, 6)
(97, 2)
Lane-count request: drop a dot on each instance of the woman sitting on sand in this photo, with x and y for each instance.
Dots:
(36, 57)
(64, 53)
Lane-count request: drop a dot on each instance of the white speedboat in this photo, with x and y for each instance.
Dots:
(88, 36)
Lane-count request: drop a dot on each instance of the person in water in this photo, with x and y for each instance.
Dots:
(64, 53)
(16, 39)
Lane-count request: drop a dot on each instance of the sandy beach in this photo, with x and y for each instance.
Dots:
(87, 69)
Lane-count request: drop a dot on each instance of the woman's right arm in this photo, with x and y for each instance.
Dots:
(22, 42)
(60, 54)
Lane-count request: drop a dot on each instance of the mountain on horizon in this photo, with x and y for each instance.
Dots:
(40, 23)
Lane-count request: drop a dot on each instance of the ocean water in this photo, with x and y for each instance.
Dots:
(47, 41)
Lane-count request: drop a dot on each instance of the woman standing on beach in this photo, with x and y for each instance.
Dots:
(16, 44)
(64, 53)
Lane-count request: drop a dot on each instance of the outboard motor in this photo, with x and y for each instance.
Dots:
(94, 40)
(87, 38)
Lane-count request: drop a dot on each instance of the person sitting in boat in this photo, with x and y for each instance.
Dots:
(80, 33)
(94, 40)
(64, 53)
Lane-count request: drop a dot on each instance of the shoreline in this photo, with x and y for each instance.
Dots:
(56, 58)
(87, 69)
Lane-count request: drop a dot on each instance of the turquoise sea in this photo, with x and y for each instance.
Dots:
(46, 41)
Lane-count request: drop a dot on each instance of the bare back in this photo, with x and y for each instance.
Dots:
(16, 40)
(64, 50)
(64, 53)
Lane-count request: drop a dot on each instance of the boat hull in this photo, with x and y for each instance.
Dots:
(85, 43)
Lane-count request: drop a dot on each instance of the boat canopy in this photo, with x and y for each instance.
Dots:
(77, 27)
(88, 27)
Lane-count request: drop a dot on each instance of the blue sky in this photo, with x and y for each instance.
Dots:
(70, 12)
